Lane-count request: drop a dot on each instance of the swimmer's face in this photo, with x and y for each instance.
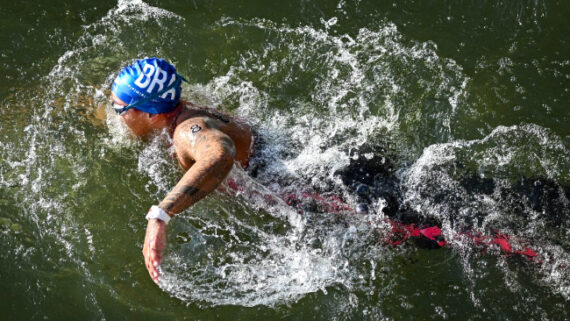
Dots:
(136, 120)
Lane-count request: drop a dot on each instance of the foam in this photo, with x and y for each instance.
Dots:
(368, 87)
(468, 183)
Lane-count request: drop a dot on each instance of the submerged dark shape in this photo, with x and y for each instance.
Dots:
(370, 175)
(372, 178)
(367, 164)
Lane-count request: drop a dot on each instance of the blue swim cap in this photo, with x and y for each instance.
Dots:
(151, 85)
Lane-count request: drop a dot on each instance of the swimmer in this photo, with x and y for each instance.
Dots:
(207, 143)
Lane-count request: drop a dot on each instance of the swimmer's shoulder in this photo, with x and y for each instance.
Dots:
(236, 128)
(201, 111)
(193, 118)
(220, 120)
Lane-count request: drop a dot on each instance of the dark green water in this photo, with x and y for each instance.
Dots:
(467, 99)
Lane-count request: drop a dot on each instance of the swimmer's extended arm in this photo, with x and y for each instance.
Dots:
(213, 155)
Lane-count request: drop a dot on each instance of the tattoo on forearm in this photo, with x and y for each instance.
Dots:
(177, 197)
(190, 190)
(207, 175)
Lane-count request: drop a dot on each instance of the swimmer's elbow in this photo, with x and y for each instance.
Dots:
(221, 154)
(221, 162)
(227, 148)
(225, 158)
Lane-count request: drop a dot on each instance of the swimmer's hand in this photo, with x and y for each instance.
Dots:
(154, 244)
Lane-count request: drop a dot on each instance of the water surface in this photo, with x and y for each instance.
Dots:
(467, 101)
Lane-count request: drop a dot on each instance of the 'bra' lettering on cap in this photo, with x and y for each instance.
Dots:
(151, 85)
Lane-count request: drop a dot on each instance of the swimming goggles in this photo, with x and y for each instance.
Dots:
(119, 109)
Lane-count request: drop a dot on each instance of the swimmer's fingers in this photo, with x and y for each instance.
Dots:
(150, 263)
(154, 244)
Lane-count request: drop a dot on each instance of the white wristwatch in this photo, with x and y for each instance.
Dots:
(159, 213)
